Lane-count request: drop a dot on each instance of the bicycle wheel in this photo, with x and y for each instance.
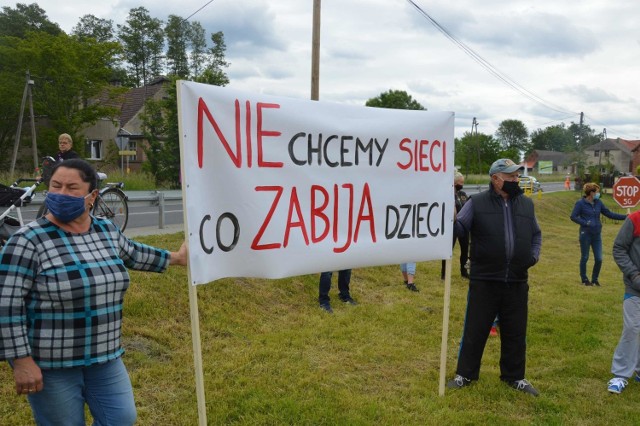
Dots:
(112, 204)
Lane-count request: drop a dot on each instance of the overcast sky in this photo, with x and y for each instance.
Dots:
(572, 57)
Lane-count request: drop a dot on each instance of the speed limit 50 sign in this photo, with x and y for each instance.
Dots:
(626, 191)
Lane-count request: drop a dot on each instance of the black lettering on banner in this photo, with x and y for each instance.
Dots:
(404, 221)
(206, 249)
(390, 234)
(236, 231)
(221, 245)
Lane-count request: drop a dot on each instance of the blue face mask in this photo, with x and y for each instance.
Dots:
(65, 208)
(597, 196)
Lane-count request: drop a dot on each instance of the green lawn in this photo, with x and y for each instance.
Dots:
(272, 357)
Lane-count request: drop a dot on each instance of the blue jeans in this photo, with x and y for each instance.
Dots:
(105, 388)
(594, 242)
(344, 278)
(409, 268)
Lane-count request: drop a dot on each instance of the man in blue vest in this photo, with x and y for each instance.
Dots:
(505, 243)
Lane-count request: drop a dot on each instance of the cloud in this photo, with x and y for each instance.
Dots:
(249, 29)
(521, 33)
(587, 94)
(535, 34)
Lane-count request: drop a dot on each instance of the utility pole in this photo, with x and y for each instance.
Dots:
(315, 52)
(16, 145)
(580, 129)
(474, 127)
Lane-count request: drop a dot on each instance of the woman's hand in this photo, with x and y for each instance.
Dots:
(181, 256)
(27, 375)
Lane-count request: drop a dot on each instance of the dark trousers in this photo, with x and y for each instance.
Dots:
(464, 252)
(485, 300)
(344, 278)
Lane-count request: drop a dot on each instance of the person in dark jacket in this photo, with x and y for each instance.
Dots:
(586, 213)
(460, 197)
(626, 253)
(66, 152)
(505, 243)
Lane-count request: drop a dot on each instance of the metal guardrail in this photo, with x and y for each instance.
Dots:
(152, 197)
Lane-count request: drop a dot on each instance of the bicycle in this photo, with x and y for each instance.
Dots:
(14, 197)
(111, 203)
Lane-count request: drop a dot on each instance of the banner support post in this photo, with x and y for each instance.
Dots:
(193, 294)
(445, 326)
(197, 355)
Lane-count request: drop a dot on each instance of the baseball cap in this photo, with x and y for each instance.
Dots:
(504, 165)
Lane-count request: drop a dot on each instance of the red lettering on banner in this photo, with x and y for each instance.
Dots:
(294, 203)
(365, 202)
(347, 243)
(317, 211)
(255, 243)
(236, 156)
(263, 133)
(420, 155)
(204, 110)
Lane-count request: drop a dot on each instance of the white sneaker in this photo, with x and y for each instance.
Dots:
(616, 385)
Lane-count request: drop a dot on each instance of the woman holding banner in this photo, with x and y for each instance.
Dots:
(62, 284)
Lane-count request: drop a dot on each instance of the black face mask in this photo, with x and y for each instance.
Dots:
(511, 188)
(458, 187)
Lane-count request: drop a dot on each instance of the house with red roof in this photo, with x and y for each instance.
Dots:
(122, 135)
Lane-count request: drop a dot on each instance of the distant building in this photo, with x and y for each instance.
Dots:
(125, 132)
(561, 162)
(621, 154)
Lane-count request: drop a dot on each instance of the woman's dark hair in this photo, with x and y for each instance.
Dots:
(86, 171)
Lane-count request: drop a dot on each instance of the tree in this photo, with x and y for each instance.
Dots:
(90, 26)
(177, 31)
(198, 45)
(584, 135)
(153, 128)
(553, 138)
(474, 153)
(19, 21)
(101, 30)
(142, 39)
(160, 119)
(396, 99)
(67, 73)
(513, 136)
(215, 63)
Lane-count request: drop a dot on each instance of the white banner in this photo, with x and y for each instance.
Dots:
(277, 187)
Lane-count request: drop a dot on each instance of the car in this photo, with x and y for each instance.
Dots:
(529, 183)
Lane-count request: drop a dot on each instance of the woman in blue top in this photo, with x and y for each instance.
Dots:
(62, 282)
(586, 213)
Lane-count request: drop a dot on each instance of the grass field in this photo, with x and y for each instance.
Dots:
(272, 357)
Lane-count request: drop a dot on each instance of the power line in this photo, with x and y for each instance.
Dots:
(609, 127)
(490, 68)
(191, 16)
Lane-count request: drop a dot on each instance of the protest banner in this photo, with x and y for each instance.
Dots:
(277, 187)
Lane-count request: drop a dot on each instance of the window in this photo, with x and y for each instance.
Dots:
(133, 146)
(606, 152)
(94, 149)
(596, 153)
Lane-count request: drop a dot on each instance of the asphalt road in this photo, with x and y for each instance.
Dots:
(144, 217)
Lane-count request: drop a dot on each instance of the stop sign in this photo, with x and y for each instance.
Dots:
(626, 191)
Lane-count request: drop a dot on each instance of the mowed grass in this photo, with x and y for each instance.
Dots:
(272, 357)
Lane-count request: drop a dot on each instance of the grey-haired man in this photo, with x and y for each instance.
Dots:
(505, 243)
